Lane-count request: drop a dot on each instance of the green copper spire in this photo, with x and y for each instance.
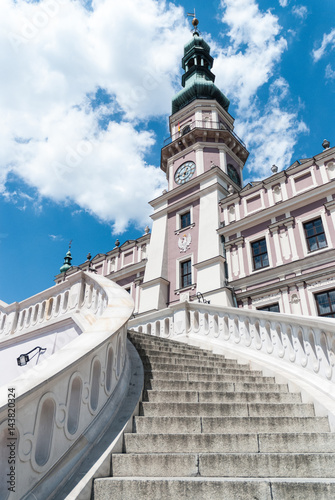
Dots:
(67, 260)
(198, 80)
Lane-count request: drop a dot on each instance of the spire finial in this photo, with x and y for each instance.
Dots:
(67, 260)
(195, 21)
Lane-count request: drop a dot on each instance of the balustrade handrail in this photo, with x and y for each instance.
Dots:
(19, 318)
(56, 402)
(203, 124)
(304, 346)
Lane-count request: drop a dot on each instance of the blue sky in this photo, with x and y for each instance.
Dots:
(85, 96)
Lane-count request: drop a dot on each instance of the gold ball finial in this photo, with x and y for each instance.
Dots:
(195, 22)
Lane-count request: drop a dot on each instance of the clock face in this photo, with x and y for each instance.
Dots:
(184, 172)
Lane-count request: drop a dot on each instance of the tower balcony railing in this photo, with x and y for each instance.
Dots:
(201, 124)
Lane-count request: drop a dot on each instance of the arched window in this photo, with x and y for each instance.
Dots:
(233, 174)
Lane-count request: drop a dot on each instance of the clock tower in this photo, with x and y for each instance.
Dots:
(203, 160)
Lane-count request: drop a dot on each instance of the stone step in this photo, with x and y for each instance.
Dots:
(234, 425)
(199, 488)
(169, 367)
(203, 368)
(159, 342)
(184, 385)
(226, 409)
(220, 397)
(192, 360)
(185, 353)
(206, 377)
(230, 443)
(317, 465)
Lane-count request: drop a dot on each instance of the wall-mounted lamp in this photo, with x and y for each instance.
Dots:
(202, 299)
(23, 359)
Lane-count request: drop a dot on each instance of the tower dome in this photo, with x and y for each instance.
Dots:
(67, 262)
(198, 80)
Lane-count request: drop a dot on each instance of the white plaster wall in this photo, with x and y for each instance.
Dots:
(208, 245)
(52, 340)
(210, 277)
(157, 259)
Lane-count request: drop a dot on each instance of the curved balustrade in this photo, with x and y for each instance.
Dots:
(302, 347)
(51, 304)
(57, 400)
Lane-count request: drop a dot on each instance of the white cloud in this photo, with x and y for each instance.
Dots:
(328, 39)
(329, 73)
(300, 11)
(56, 237)
(254, 49)
(256, 46)
(283, 3)
(271, 134)
(56, 54)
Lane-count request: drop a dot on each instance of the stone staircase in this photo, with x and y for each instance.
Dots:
(210, 428)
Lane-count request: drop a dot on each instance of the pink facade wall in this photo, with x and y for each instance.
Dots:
(128, 257)
(211, 157)
(254, 203)
(303, 181)
(184, 194)
(173, 250)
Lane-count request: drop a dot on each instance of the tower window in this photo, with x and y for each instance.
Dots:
(259, 254)
(233, 174)
(315, 235)
(185, 220)
(325, 302)
(185, 273)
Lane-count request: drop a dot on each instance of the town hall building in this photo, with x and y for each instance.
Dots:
(267, 245)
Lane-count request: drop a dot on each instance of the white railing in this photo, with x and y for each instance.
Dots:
(300, 348)
(47, 410)
(74, 294)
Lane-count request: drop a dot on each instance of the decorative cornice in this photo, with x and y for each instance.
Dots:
(208, 262)
(236, 242)
(267, 213)
(155, 281)
(191, 226)
(330, 206)
(181, 290)
(285, 222)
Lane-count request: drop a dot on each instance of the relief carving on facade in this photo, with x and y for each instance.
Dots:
(331, 169)
(285, 245)
(277, 196)
(234, 261)
(184, 242)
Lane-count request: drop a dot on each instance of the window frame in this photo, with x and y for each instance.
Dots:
(267, 306)
(252, 243)
(181, 217)
(325, 315)
(188, 274)
(315, 235)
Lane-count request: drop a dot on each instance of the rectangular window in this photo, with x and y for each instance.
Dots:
(271, 308)
(315, 235)
(325, 302)
(185, 220)
(185, 274)
(259, 254)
